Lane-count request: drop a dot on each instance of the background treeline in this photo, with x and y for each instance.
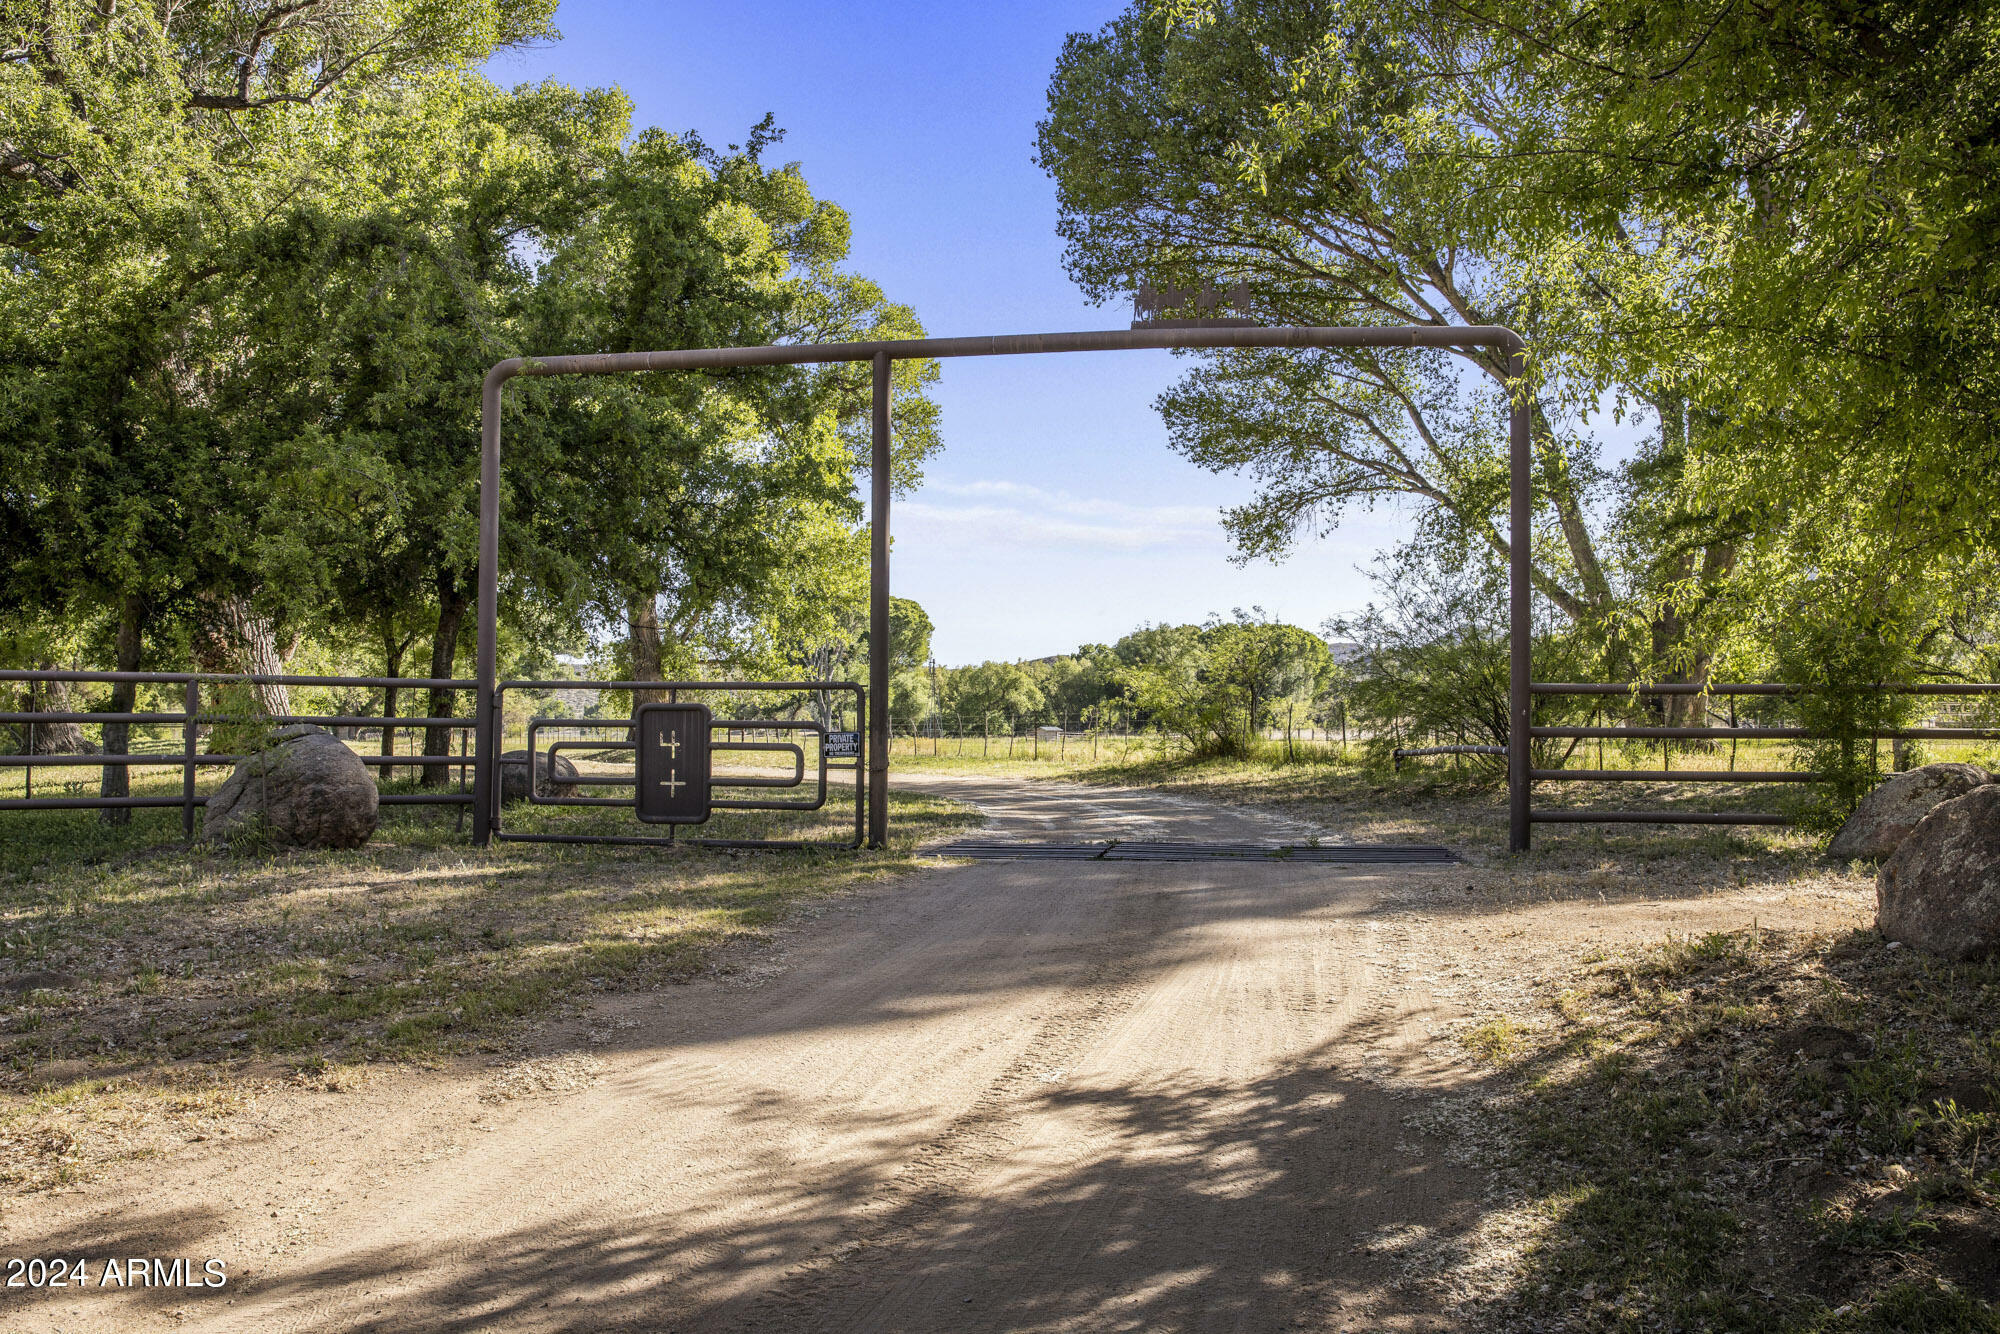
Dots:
(254, 261)
(1215, 687)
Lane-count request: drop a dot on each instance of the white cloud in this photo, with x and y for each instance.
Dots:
(1011, 514)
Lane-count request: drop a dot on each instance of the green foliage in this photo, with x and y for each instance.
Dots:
(705, 517)
(1766, 233)
(993, 694)
(1841, 644)
(1434, 667)
(254, 262)
(1159, 139)
(909, 635)
(1216, 685)
(155, 278)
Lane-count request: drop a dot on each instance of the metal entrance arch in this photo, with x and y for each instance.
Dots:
(486, 787)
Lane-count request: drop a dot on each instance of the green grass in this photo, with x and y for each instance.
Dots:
(1752, 1131)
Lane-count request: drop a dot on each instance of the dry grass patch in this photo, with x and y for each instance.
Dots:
(67, 1130)
(1754, 1131)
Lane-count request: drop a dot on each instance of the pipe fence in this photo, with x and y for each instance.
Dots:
(1732, 732)
(191, 720)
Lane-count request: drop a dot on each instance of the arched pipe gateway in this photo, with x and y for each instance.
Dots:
(485, 787)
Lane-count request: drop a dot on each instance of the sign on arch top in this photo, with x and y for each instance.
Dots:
(1207, 306)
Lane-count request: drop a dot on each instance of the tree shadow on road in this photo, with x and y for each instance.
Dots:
(1294, 1200)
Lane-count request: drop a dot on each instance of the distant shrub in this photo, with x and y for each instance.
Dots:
(1434, 662)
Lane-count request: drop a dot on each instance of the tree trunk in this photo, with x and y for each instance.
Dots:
(50, 738)
(1668, 628)
(1560, 490)
(392, 666)
(453, 599)
(232, 639)
(118, 736)
(648, 647)
(819, 665)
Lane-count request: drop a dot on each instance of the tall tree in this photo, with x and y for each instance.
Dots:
(690, 488)
(143, 150)
(1158, 138)
(382, 314)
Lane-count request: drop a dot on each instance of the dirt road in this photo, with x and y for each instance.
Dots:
(1006, 1096)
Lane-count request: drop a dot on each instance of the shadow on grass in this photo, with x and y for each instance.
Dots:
(125, 959)
(1758, 1132)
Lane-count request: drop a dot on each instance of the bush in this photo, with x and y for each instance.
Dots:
(1844, 650)
(1433, 669)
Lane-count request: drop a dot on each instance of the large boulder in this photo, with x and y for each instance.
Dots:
(300, 789)
(554, 776)
(1940, 891)
(1886, 816)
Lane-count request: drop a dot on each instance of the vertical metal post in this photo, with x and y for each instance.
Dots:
(860, 776)
(486, 739)
(1520, 622)
(28, 771)
(192, 699)
(878, 611)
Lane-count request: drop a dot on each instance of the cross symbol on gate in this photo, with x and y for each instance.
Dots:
(671, 783)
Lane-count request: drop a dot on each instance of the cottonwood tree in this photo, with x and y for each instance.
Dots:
(1005, 691)
(1772, 224)
(694, 490)
(142, 150)
(1795, 208)
(382, 315)
(1155, 138)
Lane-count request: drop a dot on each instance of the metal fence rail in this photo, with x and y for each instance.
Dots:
(189, 759)
(1767, 689)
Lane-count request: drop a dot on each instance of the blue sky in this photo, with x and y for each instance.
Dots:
(1056, 514)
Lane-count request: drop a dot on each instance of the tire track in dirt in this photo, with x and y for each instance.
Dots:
(940, 1169)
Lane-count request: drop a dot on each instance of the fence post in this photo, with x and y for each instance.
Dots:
(879, 647)
(28, 771)
(193, 702)
(1520, 601)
